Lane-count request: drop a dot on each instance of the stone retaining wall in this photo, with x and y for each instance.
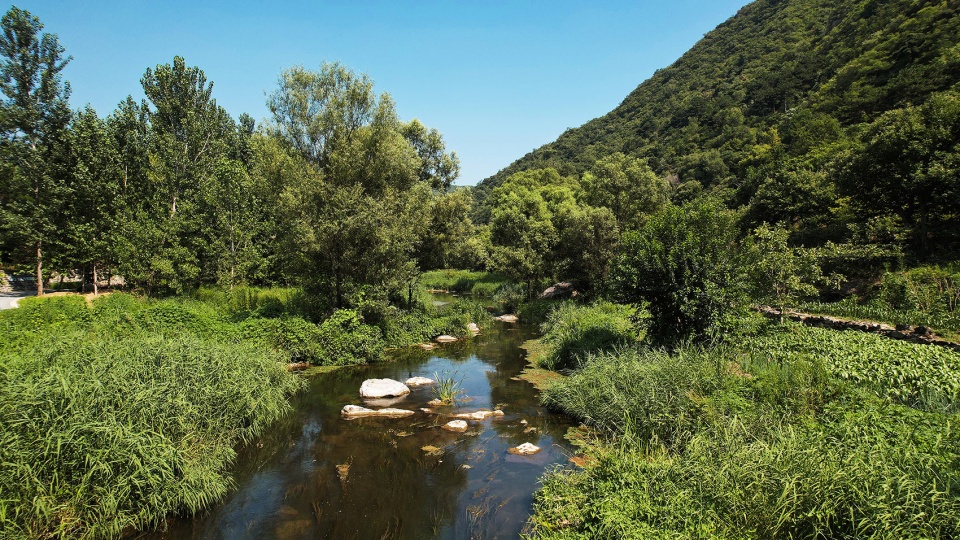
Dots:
(903, 332)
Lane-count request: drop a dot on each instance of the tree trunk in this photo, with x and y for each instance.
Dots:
(95, 290)
(39, 268)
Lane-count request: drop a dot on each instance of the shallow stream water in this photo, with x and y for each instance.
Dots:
(315, 474)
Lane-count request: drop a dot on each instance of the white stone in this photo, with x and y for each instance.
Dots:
(418, 381)
(507, 318)
(445, 339)
(455, 425)
(378, 388)
(473, 328)
(479, 415)
(356, 411)
(525, 449)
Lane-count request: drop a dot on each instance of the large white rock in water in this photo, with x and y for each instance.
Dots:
(525, 449)
(455, 425)
(378, 388)
(445, 339)
(418, 381)
(356, 411)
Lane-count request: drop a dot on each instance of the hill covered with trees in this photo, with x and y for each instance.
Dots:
(836, 118)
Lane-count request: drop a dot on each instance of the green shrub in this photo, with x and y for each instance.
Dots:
(299, 339)
(683, 266)
(574, 331)
(508, 297)
(409, 327)
(537, 311)
(45, 311)
(345, 340)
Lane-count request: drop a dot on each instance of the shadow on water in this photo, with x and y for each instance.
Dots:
(316, 475)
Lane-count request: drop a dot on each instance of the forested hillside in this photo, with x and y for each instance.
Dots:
(802, 110)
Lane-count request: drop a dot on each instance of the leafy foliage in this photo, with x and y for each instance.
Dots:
(682, 267)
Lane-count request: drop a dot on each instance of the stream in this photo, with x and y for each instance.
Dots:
(314, 474)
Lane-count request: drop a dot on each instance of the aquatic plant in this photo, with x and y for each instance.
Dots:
(448, 387)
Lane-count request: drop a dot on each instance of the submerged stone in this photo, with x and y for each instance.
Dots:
(479, 415)
(356, 411)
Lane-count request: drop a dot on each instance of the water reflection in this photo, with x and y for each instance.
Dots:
(316, 475)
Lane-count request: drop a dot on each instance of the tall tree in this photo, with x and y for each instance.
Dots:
(437, 167)
(909, 166)
(189, 136)
(95, 206)
(33, 120)
(357, 218)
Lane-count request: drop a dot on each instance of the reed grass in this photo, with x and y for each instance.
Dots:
(113, 417)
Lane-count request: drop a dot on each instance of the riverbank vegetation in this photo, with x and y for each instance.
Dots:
(117, 414)
(786, 432)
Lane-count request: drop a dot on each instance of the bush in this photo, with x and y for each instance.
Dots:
(345, 340)
(508, 297)
(409, 327)
(574, 331)
(537, 311)
(683, 267)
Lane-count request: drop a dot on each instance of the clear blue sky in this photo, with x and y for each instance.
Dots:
(497, 78)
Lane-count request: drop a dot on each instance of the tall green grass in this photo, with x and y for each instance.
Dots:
(104, 434)
(864, 471)
(574, 330)
(464, 281)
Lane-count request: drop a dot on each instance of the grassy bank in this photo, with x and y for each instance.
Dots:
(108, 426)
(115, 414)
(464, 281)
(784, 431)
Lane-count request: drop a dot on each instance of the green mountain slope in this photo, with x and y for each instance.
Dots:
(801, 75)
